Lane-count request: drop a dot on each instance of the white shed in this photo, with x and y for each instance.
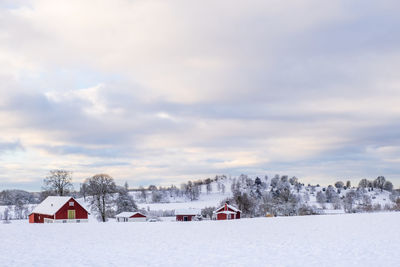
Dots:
(130, 217)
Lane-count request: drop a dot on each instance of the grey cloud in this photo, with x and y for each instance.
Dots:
(11, 146)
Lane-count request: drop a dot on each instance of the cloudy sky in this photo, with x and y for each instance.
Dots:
(162, 91)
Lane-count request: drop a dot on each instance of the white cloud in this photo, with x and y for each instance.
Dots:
(173, 90)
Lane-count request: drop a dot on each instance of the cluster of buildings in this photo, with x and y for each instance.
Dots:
(55, 209)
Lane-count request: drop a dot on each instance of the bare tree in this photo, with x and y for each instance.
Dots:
(207, 212)
(208, 185)
(223, 188)
(101, 187)
(143, 194)
(58, 182)
(83, 190)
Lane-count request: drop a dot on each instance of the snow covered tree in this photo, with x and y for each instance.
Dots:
(208, 186)
(207, 212)
(245, 203)
(331, 194)
(192, 191)
(388, 186)
(284, 178)
(293, 180)
(339, 184)
(321, 198)
(366, 203)
(348, 184)
(349, 200)
(306, 197)
(101, 187)
(19, 209)
(298, 186)
(143, 194)
(156, 196)
(125, 201)
(152, 188)
(275, 181)
(59, 182)
(363, 183)
(6, 216)
(379, 182)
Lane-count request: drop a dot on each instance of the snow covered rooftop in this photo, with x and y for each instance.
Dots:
(229, 206)
(51, 205)
(127, 214)
(187, 212)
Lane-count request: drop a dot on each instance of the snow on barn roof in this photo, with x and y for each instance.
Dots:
(187, 212)
(127, 214)
(51, 205)
(229, 206)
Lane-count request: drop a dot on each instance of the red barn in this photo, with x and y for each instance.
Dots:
(227, 212)
(56, 209)
(130, 217)
(185, 215)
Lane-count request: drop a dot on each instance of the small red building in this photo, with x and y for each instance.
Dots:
(185, 215)
(55, 209)
(227, 212)
(130, 217)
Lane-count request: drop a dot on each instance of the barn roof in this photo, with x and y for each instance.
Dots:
(229, 206)
(187, 212)
(127, 214)
(52, 204)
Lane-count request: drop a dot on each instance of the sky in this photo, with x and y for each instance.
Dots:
(166, 91)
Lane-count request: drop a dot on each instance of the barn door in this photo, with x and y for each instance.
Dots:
(71, 214)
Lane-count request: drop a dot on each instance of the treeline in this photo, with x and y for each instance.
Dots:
(284, 196)
(18, 204)
(278, 196)
(105, 198)
(190, 190)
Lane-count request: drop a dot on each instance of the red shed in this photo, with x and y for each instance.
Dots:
(56, 209)
(185, 215)
(227, 212)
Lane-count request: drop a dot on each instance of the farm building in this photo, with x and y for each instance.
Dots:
(56, 209)
(130, 217)
(227, 212)
(184, 215)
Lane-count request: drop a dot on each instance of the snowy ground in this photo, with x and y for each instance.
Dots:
(327, 240)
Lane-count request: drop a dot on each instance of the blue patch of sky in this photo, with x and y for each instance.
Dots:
(60, 79)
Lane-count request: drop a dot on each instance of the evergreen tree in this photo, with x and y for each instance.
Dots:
(125, 201)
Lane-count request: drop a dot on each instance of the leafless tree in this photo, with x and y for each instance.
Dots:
(101, 187)
(59, 182)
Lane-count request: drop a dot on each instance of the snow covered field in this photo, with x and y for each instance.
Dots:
(328, 240)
